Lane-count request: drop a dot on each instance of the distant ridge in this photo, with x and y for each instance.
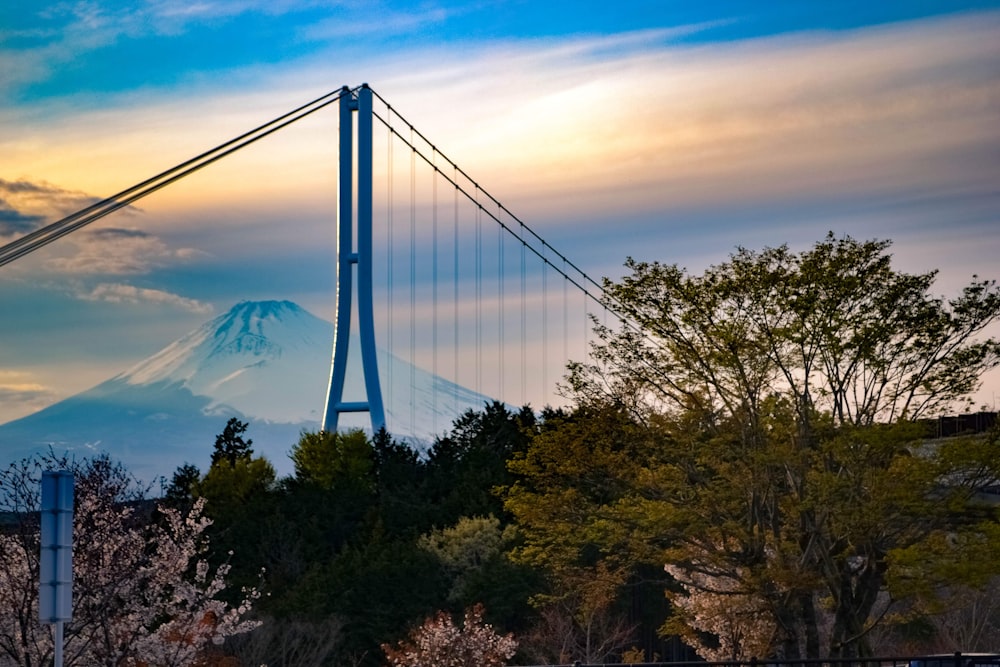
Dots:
(264, 362)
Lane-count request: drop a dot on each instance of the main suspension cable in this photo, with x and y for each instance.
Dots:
(56, 230)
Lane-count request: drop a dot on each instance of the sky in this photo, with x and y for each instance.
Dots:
(669, 131)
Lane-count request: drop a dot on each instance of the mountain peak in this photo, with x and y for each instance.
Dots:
(214, 360)
(268, 308)
(250, 327)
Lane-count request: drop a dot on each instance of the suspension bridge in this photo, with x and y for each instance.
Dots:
(430, 267)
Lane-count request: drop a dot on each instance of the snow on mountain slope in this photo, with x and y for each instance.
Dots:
(270, 360)
(267, 359)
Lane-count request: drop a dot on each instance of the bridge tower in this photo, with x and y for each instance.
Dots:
(351, 259)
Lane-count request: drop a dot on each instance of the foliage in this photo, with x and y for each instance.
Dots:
(835, 329)
(378, 586)
(464, 548)
(296, 642)
(178, 493)
(401, 501)
(232, 484)
(331, 460)
(717, 607)
(582, 623)
(761, 440)
(465, 466)
(567, 500)
(440, 643)
(230, 445)
(143, 592)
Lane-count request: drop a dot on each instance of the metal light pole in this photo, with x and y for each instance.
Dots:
(55, 572)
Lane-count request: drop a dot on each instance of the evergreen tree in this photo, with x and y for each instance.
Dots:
(230, 445)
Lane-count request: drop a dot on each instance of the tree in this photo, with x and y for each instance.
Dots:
(835, 330)
(781, 392)
(465, 466)
(231, 485)
(568, 500)
(737, 621)
(230, 445)
(178, 493)
(441, 643)
(300, 642)
(465, 548)
(474, 553)
(335, 461)
(143, 592)
(239, 498)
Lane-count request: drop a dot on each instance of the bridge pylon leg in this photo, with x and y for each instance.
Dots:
(350, 260)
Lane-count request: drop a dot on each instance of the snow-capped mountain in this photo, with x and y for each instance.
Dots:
(266, 362)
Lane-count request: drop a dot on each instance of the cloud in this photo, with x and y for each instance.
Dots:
(64, 32)
(383, 23)
(20, 394)
(580, 124)
(584, 130)
(118, 251)
(903, 109)
(13, 222)
(27, 205)
(129, 294)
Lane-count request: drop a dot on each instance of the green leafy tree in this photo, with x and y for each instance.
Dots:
(474, 554)
(574, 505)
(240, 500)
(779, 460)
(378, 586)
(465, 548)
(234, 484)
(331, 460)
(402, 501)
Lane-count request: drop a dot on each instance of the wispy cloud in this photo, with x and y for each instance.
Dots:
(118, 251)
(130, 294)
(26, 205)
(384, 22)
(64, 32)
(21, 394)
(15, 223)
(899, 108)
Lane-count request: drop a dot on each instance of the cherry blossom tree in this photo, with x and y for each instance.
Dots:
(440, 643)
(720, 607)
(143, 592)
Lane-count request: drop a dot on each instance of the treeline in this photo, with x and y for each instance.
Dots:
(748, 448)
(367, 538)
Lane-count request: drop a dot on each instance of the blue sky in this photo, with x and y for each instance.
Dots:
(669, 131)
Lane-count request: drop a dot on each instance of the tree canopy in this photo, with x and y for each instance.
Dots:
(230, 444)
(773, 457)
